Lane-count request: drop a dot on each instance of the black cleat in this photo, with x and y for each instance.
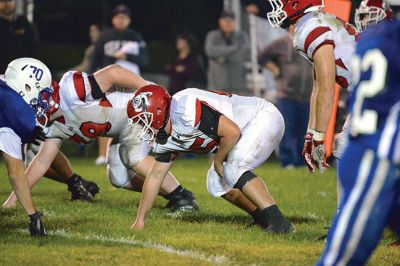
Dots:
(90, 186)
(284, 227)
(184, 201)
(78, 190)
(36, 227)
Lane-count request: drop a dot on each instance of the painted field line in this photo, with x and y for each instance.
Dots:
(160, 247)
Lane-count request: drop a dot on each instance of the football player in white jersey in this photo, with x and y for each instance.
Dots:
(370, 12)
(328, 43)
(86, 110)
(241, 131)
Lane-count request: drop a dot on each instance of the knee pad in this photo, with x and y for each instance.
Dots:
(244, 179)
(116, 171)
(131, 155)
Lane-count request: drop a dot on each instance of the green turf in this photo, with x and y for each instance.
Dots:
(100, 234)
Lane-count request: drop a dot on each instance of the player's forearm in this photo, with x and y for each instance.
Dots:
(42, 161)
(311, 119)
(226, 144)
(324, 107)
(23, 193)
(116, 75)
(149, 193)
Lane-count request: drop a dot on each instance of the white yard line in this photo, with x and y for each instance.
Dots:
(160, 247)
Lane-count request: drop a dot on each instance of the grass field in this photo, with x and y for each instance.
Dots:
(99, 233)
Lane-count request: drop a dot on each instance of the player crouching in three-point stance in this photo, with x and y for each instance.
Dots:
(242, 131)
(23, 98)
(369, 168)
(86, 110)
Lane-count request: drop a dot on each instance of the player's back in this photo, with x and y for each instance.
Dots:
(375, 100)
(240, 109)
(88, 117)
(316, 29)
(15, 113)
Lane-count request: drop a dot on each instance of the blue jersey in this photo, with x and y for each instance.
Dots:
(374, 101)
(16, 114)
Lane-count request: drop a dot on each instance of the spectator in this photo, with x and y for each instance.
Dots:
(227, 50)
(94, 34)
(120, 44)
(294, 84)
(18, 37)
(186, 71)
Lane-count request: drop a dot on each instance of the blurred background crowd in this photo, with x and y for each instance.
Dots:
(209, 44)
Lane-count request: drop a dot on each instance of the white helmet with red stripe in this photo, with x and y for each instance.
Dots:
(287, 12)
(371, 12)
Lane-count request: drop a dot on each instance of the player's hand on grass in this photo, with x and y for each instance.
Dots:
(137, 225)
(219, 168)
(36, 227)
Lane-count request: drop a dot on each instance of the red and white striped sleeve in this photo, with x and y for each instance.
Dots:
(314, 37)
(75, 90)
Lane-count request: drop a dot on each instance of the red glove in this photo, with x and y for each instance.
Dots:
(318, 155)
(307, 150)
(314, 152)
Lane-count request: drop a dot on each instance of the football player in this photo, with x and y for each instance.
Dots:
(328, 43)
(241, 131)
(369, 169)
(23, 98)
(85, 111)
(370, 12)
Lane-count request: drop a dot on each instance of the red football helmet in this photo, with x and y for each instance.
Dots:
(371, 12)
(149, 107)
(287, 12)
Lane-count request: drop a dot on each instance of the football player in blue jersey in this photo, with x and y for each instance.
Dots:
(369, 169)
(24, 99)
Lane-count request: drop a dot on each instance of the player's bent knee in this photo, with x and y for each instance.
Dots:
(131, 158)
(244, 179)
(119, 178)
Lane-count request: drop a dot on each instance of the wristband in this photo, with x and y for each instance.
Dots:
(318, 136)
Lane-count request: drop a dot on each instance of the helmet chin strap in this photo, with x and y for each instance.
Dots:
(46, 120)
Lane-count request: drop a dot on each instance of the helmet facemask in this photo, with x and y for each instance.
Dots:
(144, 120)
(42, 105)
(277, 16)
(367, 16)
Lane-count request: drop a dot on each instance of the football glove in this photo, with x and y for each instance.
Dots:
(307, 150)
(318, 155)
(37, 136)
(36, 227)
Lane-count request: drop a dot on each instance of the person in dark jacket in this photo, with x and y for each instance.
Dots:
(18, 36)
(120, 44)
(186, 71)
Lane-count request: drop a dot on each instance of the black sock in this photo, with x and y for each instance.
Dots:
(273, 215)
(174, 193)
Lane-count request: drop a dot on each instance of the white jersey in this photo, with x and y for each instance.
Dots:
(84, 118)
(185, 115)
(316, 29)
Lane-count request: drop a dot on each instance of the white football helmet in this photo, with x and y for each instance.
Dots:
(31, 79)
